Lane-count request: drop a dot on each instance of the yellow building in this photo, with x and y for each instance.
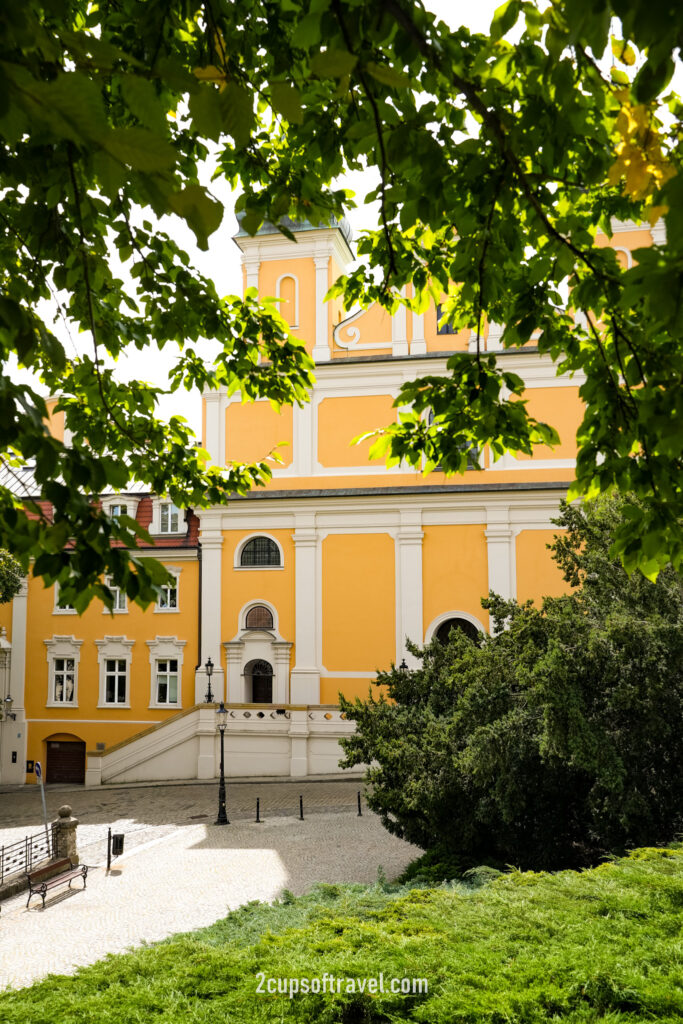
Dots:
(306, 587)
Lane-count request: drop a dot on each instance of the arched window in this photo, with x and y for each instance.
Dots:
(259, 617)
(287, 290)
(260, 675)
(468, 628)
(260, 551)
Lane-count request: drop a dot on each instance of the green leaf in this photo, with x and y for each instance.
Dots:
(333, 63)
(237, 110)
(388, 76)
(143, 101)
(286, 100)
(504, 18)
(623, 51)
(203, 213)
(307, 33)
(140, 149)
(206, 112)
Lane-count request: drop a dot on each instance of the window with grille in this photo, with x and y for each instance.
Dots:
(259, 617)
(115, 680)
(63, 680)
(167, 680)
(260, 551)
(169, 518)
(443, 328)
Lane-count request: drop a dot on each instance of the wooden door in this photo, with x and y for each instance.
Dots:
(65, 761)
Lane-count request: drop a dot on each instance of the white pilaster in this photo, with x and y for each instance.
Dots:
(234, 657)
(211, 539)
(321, 350)
(399, 331)
(214, 428)
(14, 730)
(207, 767)
(658, 233)
(409, 584)
(493, 342)
(500, 540)
(305, 681)
(302, 439)
(418, 346)
(252, 265)
(281, 656)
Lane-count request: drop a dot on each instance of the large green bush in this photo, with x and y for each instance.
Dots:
(556, 740)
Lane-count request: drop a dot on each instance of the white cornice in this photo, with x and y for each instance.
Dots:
(310, 244)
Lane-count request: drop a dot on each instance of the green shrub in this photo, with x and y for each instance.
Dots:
(554, 741)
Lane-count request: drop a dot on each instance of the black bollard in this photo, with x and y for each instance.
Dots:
(258, 808)
(360, 813)
(301, 808)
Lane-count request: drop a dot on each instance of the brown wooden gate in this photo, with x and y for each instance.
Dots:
(65, 761)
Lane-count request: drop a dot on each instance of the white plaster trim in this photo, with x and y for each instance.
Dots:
(310, 243)
(278, 284)
(455, 614)
(60, 646)
(129, 500)
(326, 674)
(165, 647)
(246, 608)
(250, 568)
(154, 528)
(120, 648)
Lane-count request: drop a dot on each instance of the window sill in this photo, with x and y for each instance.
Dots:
(166, 611)
(62, 705)
(115, 611)
(258, 568)
(64, 611)
(112, 707)
(166, 707)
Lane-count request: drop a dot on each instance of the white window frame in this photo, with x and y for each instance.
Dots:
(119, 648)
(61, 611)
(62, 647)
(110, 501)
(175, 572)
(431, 629)
(163, 648)
(258, 568)
(154, 527)
(119, 597)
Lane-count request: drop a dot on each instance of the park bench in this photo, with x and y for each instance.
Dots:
(43, 879)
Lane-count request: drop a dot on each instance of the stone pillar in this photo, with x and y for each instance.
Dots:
(281, 651)
(15, 729)
(211, 538)
(65, 835)
(321, 350)
(305, 680)
(409, 584)
(298, 742)
(234, 656)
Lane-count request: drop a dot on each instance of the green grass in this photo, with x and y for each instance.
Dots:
(600, 945)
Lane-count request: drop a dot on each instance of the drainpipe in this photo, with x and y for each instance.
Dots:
(199, 610)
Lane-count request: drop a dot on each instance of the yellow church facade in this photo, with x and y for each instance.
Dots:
(306, 587)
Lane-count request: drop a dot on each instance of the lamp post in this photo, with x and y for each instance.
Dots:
(8, 702)
(208, 668)
(222, 717)
(403, 667)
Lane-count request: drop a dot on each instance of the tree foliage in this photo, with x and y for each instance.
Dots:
(11, 577)
(555, 742)
(497, 162)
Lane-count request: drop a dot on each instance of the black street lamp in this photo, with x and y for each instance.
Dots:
(222, 716)
(208, 668)
(403, 667)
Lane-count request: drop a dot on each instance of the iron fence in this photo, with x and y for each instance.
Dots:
(22, 855)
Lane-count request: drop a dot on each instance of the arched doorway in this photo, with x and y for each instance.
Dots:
(65, 759)
(259, 677)
(467, 627)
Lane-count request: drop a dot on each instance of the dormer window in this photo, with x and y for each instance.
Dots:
(116, 511)
(169, 518)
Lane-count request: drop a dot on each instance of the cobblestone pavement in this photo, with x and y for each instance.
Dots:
(147, 812)
(220, 868)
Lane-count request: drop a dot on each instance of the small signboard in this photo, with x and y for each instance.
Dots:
(38, 770)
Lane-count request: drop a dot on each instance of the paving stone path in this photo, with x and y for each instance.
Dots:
(170, 834)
